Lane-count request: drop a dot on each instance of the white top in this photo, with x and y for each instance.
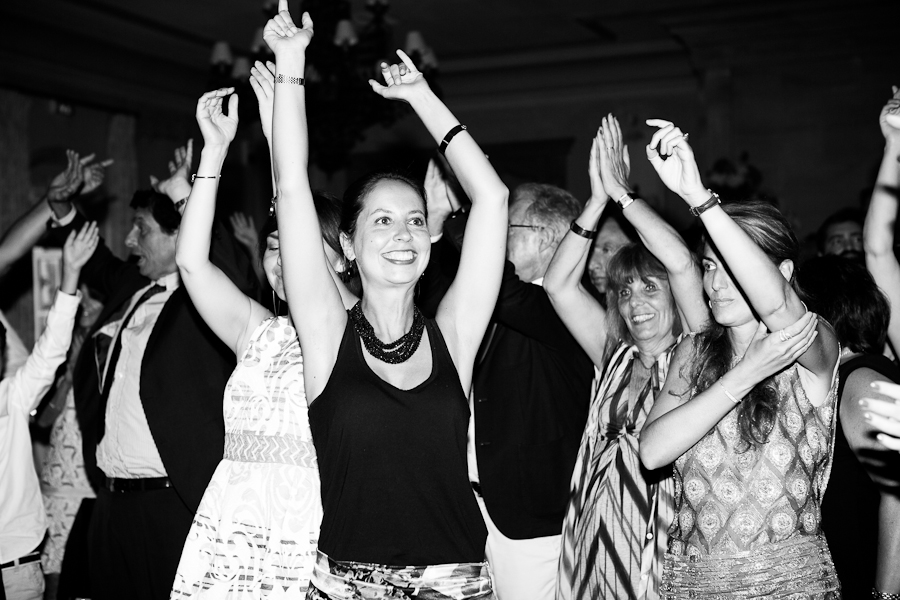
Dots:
(22, 519)
(16, 353)
(127, 449)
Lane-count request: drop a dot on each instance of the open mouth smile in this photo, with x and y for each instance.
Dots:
(400, 257)
(642, 318)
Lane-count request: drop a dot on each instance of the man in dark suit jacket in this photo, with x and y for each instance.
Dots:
(530, 394)
(148, 388)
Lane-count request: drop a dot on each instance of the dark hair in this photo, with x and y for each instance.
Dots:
(632, 261)
(550, 206)
(842, 291)
(844, 215)
(160, 207)
(614, 214)
(355, 196)
(328, 209)
(713, 354)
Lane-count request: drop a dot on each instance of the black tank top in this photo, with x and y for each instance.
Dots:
(395, 488)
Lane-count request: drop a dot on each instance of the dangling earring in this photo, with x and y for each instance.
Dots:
(276, 304)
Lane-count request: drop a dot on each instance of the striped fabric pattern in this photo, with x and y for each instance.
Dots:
(614, 533)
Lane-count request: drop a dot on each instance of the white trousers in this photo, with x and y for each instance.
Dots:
(24, 582)
(523, 569)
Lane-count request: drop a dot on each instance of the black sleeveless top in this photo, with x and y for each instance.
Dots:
(851, 501)
(395, 488)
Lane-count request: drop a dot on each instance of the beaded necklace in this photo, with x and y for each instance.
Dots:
(398, 351)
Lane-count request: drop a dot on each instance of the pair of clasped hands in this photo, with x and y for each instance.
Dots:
(401, 81)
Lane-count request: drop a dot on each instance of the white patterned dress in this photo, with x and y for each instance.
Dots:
(257, 527)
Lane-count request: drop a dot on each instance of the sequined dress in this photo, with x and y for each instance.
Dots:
(256, 529)
(748, 523)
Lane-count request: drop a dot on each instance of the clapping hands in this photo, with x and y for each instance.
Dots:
(402, 81)
(610, 163)
(282, 35)
(679, 170)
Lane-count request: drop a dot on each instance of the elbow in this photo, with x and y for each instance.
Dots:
(649, 451)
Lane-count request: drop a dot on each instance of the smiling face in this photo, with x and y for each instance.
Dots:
(609, 239)
(391, 242)
(648, 309)
(154, 247)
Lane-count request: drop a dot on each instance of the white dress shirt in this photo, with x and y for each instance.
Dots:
(127, 449)
(22, 518)
(16, 353)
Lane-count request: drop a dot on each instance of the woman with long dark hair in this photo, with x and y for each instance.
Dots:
(746, 415)
(387, 387)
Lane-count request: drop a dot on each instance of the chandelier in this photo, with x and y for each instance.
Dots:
(345, 53)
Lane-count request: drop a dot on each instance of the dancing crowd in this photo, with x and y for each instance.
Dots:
(457, 391)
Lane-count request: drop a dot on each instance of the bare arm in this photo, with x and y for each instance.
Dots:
(465, 310)
(320, 317)
(766, 287)
(230, 314)
(878, 233)
(677, 422)
(23, 235)
(585, 318)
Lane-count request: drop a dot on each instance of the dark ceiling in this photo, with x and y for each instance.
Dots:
(130, 48)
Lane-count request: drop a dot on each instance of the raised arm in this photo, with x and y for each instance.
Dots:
(230, 314)
(677, 422)
(584, 317)
(319, 316)
(466, 309)
(878, 233)
(656, 234)
(766, 287)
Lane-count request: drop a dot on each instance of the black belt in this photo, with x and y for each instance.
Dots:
(115, 484)
(28, 558)
(476, 486)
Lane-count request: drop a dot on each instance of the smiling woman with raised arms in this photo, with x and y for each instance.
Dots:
(748, 417)
(387, 387)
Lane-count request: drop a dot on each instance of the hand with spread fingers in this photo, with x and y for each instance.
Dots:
(78, 249)
(679, 169)
(615, 164)
(281, 34)
(884, 415)
(245, 230)
(178, 184)
(769, 353)
(401, 81)
(262, 80)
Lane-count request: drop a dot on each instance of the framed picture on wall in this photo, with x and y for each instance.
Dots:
(46, 269)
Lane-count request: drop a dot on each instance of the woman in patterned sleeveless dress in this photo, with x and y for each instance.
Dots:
(254, 534)
(747, 417)
(614, 532)
(386, 387)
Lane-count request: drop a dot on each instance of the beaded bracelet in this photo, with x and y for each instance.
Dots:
(450, 135)
(579, 230)
(884, 595)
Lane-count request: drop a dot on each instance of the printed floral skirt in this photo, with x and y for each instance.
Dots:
(347, 580)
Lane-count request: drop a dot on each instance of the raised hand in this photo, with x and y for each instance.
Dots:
(679, 170)
(262, 80)
(80, 246)
(402, 81)
(889, 120)
(66, 184)
(93, 174)
(614, 162)
(218, 129)
(769, 353)
(178, 184)
(282, 35)
(245, 230)
(884, 415)
(440, 198)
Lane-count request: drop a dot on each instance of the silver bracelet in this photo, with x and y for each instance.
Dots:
(730, 395)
